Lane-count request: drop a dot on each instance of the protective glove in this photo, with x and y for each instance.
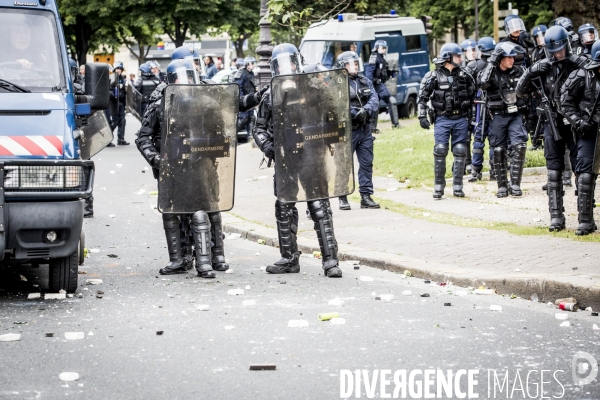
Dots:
(156, 162)
(541, 67)
(424, 123)
(360, 116)
(494, 58)
(269, 150)
(584, 127)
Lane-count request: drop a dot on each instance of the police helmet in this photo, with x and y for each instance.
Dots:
(118, 65)
(249, 60)
(470, 49)
(557, 39)
(182, 72)
(286, 60)
(565, 23)
(145, 69)
(310, 68)
(153, 64)
(509, 49)
(595, 56)
(486, 45)
(190, 54)
(380, 43)
(448, 51)
(513, 24)
(538, 35)
(351, 61)
(587, 33)
(239, 63)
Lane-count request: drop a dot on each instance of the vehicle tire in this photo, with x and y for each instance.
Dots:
(81, 249)
(64, 273)
(409, 110)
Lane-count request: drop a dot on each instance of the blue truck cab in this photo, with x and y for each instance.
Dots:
(44, 179)
(407, 49)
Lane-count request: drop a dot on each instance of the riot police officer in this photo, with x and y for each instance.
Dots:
(516, 33)
(117, 102)
(587, 36)
(470, 51)
(364, 106)
(550, 74)
(245, 78)
(538, 37)
(286, 60)
(451, 91)
(378, 71)
(499, 79)
(576, 46)
(485, 46)
(146, 83)
(579, 103)
(183, 71)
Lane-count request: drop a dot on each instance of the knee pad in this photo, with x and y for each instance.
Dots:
(318, 210)
(215, 217)
(393, 101)
(170, 221)
(499, 151)
(554, 175)
(200, 220)
(586, 178)
(460, 150)
(440, 150)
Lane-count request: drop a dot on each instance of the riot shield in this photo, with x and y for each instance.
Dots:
(134, 102)
(312, 132)
(199, 133)
(96, 135)
(392, 83)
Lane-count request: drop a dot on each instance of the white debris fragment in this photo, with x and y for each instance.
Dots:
(596, 327)
(495, 308)
(406, 293)
(70, 296)
(565, 324)
(74, 335)
(365, 278)
(353, 262)
(119, 165)
(589, 309)
(425, 214)
(235, 292)
(392, 189)
(335, 302)
(388, 297)
(338, 321)
(112, 172)
(93, 281)
(90, 333)
(461, 293)
(247, 287)
(229, 327)
(94, 250)
(23, 278)
(481, 208)
(561, 316)
(536, 220)
(111, 215)
(203, 307)
(10, 337)
(518, 270)
(484, 291)
(68, 376)
(258, 253)
(54, 296)
(534, 297)
(297, 323)
(233, 236)
(263, 268)
(263, 177)
(229, 271)
(249, 302)
(34, 295)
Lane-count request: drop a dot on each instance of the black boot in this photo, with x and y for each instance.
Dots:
(492, 169)
(516, 169)
(500, 165)
(586, 204)
(172, 232)
(555, 200)
(458, 169)
(344, 205)
(201, 232)
(122, 142)
(218, 249)
(475, 173)
(287, 227)
(187, 242)
(440, 151)
(88, 211)
(321, 214)
(367, 202)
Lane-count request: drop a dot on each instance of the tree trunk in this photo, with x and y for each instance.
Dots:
(82, 36)
(239, 47)
(178, 36)
(579, 11)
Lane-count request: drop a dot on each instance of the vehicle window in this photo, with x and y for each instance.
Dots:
(30, 56)
(413, 43)
(325, 52)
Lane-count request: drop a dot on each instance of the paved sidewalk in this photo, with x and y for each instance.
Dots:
(547, 266)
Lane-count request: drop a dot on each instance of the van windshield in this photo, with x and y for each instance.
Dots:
(325, 52)
(30, 56)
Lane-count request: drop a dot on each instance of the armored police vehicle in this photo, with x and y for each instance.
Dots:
(44, 138)
(407, 49)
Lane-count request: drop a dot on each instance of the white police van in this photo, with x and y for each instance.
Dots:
(407, 49)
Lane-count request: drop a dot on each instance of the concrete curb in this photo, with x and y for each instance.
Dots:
(547, 290)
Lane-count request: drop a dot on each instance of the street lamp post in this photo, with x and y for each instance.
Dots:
(265, 48)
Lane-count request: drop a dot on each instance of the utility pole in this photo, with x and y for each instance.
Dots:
(496, 17)
(265, 48)
(476, 19)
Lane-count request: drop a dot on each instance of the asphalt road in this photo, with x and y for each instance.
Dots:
(208, 354)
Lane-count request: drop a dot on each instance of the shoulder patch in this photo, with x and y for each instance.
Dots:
(373, 58)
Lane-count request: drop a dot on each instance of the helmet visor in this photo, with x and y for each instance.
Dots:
(286, 64)
(558, 50)
(471, 53)
(514, 25)
(353, 65)
(539, 39)
(588, 37)
(183, 76)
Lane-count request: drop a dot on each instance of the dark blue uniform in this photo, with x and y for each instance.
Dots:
(247, 83)
(117, 106)
(378, 72)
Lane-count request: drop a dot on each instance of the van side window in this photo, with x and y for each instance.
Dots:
(366, 52)
(413, 43)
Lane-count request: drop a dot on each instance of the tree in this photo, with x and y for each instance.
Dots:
(244, 24)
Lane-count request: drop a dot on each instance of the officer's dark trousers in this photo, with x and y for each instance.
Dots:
(382, 92)
(118, 120)
(446, 128)
(586, 150)
(507, 128)
(362, 145)
(479, 143)
(554, 151)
